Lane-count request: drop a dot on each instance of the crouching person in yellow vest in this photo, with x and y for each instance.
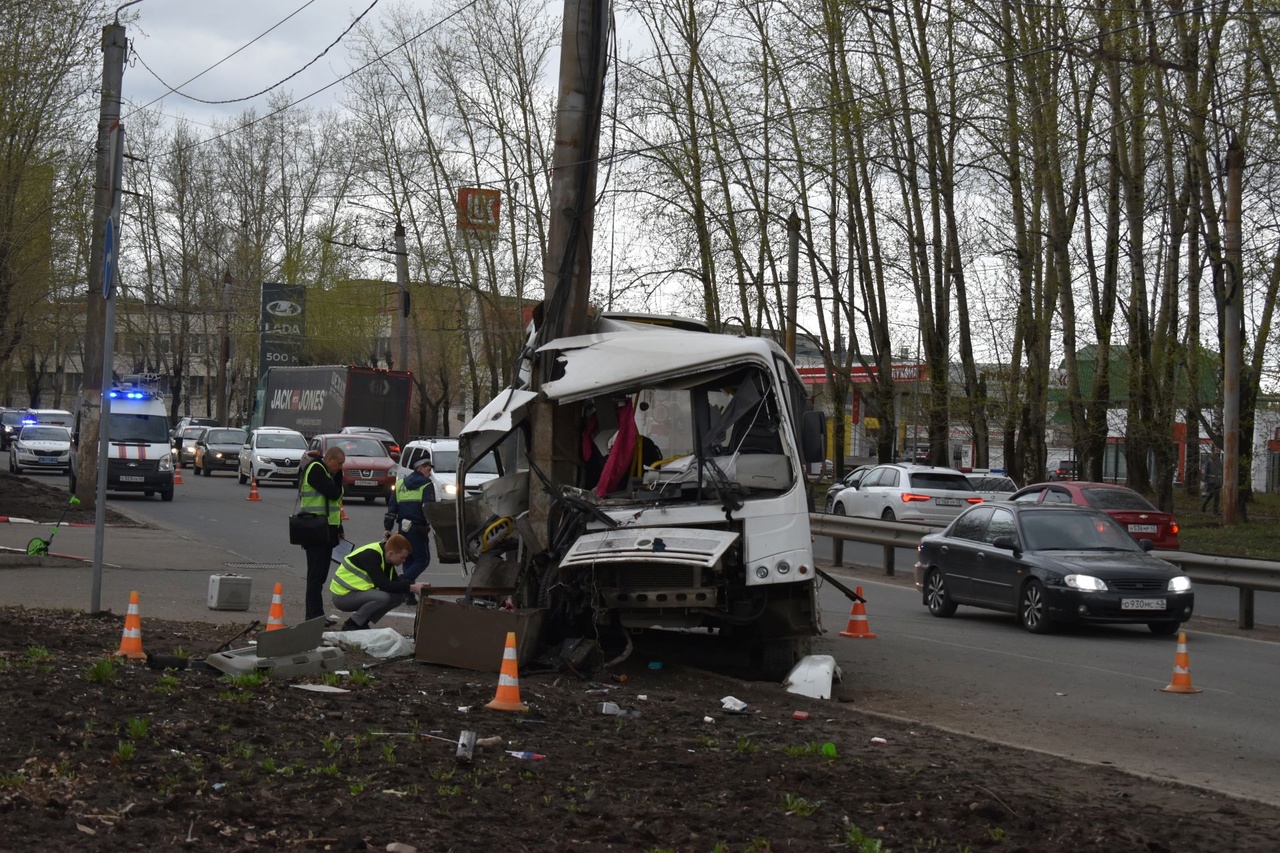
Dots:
(365, 584)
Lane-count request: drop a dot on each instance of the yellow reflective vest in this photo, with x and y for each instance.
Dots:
(351, 578)
(312, 501)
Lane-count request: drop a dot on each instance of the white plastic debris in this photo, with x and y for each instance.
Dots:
(320, 688)
(708, 720)
(733, 704)
(878, 740)
(812, 676)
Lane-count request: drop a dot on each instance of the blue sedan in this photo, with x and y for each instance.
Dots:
(1050, 565)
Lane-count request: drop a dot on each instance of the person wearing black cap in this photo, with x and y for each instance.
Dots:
(405, 515)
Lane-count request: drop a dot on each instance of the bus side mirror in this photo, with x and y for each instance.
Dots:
(813, 436)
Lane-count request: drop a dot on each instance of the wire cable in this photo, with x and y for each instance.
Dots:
(276, 85)
(174, 89)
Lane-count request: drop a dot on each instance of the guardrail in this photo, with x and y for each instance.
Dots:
(1245, 574)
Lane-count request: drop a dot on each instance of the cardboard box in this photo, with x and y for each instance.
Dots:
(471, 637)
(229, 592)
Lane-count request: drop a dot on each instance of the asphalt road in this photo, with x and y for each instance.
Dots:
(1090, 693)
(1219, 602)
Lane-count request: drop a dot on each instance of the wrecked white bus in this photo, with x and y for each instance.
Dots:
(687, 505)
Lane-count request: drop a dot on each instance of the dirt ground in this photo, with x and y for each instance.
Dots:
(44, 500)
(97, 754)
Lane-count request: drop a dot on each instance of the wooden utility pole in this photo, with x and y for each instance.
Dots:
(583, 55)
(114, 46)
(1232, 319)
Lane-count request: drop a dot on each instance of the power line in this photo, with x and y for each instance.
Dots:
(333, 83)
(261, 92)
(174, 89)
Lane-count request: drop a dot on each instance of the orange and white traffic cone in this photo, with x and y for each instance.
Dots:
(275, 619)
(177, 476)
(253, 490)
(858, 625)
(345, 517)
(131, 640)
(508, 696)
(1181, 682)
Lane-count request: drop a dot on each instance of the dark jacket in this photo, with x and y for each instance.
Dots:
(381, 573)
(329, 485)
(411, 510)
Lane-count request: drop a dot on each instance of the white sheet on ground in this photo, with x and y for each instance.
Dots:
(379, 642)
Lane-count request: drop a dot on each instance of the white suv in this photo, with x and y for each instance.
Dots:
(444, 466)
(919, 493)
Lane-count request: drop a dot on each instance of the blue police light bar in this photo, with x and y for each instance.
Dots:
(116, 393)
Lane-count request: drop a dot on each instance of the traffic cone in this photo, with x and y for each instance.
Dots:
(508, 696)
(253, 490)
(177, 476)
(345, 517)
(131, 640)
(275, 619)
(1181, 682)
(858, 626)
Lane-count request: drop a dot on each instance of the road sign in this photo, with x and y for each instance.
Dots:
(108, 260)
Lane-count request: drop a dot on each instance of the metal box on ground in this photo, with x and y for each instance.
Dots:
(229, 592)
(471, 637)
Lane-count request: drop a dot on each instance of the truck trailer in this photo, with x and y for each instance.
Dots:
(686, 506)
(325, 398)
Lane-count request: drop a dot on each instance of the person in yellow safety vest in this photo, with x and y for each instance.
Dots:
(406, 514)
(365, 584)
(320, 491)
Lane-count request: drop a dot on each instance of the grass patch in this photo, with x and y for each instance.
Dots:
(1203, 532)
(138, 727)
(104, 670)
(791, 804)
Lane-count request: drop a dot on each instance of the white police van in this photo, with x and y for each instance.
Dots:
(138, 455)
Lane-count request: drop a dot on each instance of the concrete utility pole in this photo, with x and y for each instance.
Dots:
(402, 277)
(1232, 319)
(793, 280)
(224, 350)
(114, 45)
(583, 54)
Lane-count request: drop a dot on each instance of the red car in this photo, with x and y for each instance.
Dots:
(1134, 512)
(368, 473)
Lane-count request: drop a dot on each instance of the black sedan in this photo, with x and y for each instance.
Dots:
(218, 449)
(1050, 564)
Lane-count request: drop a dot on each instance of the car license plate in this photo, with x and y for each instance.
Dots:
(1142, 528)
(47, 461)
(366, 482)
(947, 501)
(1142, 604)
(128, 479)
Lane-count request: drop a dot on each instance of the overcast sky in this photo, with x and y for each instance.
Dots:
(177, 40)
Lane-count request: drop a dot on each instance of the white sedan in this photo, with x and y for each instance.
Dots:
(40, 447)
